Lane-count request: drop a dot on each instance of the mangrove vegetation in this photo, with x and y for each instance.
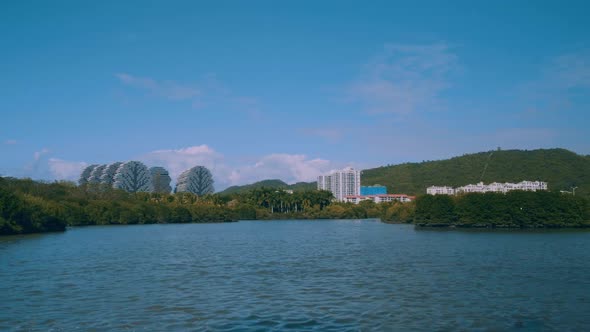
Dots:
(28, 206)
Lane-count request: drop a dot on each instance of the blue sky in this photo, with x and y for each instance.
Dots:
(266, 89)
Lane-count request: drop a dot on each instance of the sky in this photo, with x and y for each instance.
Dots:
(286, 89)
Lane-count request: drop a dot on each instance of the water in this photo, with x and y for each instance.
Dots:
(300, 275)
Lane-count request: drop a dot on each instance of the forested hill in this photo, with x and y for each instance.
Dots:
(274, 184)
(561, 168)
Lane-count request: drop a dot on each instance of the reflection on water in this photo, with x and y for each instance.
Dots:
(299, 275)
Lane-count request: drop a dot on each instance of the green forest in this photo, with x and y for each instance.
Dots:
(28, 206)
(515, 209)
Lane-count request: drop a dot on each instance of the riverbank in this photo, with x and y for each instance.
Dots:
(516, 209)
(501, 227)
(28, 206)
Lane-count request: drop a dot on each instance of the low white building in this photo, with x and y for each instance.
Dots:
(379, 198)
(495, 187)
(531, 185)
(472, 188)
(437, 190)
(502, 187)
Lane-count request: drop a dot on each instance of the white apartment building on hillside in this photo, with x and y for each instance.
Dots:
(502, 187)
(495, 187)
(380, 198)
(436, 190)
(341, 183)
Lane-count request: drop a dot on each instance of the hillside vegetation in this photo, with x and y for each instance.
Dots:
(270, 184)
(562, 169)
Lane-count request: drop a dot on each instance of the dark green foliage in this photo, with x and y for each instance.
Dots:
(28, 207)
(245, 211)
(21, 214)
(516, 209)
(279, 201)
(435, 210)
(562, 169)
(270, 184)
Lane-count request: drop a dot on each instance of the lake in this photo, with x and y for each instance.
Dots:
(294, 275)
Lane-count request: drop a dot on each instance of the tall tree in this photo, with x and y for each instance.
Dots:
(133, 176)
(197, 180)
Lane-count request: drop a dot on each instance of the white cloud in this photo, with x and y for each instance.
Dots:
(332, 135)
(179, 160)
(209, 92)
(403, 79)
(571, 70)
(290, 168)
(65, 170)
(38, 154)
(287, 167)
(166, 89)
(46, 167)
(420, 141)
(522, 138)
(35, 168)
(562, 79)
(10, 142)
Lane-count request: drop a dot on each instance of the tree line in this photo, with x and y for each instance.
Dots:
(28, 206)
(515, 209)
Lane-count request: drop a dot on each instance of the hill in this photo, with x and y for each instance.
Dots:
(274, 184)
(562, 169)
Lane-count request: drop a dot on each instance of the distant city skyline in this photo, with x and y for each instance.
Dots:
(262, 90)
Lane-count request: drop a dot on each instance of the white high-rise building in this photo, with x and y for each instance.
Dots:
(342, 183)
(325, 182)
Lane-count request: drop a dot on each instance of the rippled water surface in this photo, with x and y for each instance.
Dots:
(300, 275)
